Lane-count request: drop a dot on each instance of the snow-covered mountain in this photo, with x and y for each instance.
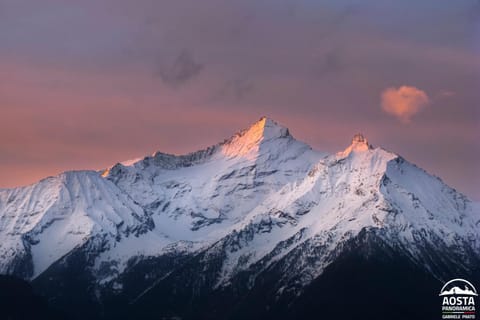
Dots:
(41, 223)
(257, 202)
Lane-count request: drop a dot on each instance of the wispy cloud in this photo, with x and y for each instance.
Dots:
(446, 93)
(183, 68)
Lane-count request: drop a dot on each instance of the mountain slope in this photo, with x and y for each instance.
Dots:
(41, 223)
(197, 199)
(258, 214)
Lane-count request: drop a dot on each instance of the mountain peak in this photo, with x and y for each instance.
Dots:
(270, 128)
(359, 138)
(359, 144)
(249, 140)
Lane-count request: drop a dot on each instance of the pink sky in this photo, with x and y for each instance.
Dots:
(86, 85)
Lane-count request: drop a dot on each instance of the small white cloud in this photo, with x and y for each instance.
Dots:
(404, 102)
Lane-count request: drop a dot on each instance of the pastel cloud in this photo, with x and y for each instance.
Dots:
(404, 102)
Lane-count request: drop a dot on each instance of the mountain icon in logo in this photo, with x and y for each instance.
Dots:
(453, 287)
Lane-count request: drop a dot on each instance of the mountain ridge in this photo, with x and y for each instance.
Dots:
(240, 143)
(258, 201)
